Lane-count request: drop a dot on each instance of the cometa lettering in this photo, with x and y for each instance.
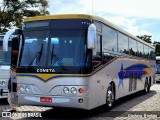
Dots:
(45, 70)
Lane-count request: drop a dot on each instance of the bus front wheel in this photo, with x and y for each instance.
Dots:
(110, 98)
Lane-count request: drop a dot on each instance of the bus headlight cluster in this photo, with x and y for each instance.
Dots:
(66, 90)
(2, 83)
(73, 90)
(23, 88)
(27, 88)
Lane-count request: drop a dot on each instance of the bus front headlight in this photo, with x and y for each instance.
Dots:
(2, 83)
(66, 90)
(27, 88)
(21, 88)
(73, 90)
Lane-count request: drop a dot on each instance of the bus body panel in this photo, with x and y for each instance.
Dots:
(4, 77)
(95, 84)
(127, 70)
(53, 88)
(4, 69)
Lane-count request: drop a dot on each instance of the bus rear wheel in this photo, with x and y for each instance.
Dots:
(146, 87)
(110, 97)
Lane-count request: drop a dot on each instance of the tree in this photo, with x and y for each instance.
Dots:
(157, 48)
(146, 38)
(13, 11)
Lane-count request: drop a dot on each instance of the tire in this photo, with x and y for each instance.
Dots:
(146, 87)
(149, 86)
(110, 97)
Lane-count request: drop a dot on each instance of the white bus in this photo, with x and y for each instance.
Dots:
(4, 68)
(158, 68)
(5, 60)
(79, 61)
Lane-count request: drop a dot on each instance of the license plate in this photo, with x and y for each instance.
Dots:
(45, 99)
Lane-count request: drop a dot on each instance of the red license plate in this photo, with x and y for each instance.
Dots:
(45, 99)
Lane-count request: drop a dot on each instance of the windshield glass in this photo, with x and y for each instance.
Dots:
(59, 48)
(67, 48)
(5, 57)
(35, 48)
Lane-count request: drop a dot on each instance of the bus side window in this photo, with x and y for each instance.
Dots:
(97, 53)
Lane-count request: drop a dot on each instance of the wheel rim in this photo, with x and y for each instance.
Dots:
(110, 97)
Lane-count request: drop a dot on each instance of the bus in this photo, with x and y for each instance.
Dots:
(5, 61)
(79, 61)
(4, 68)
(158, 68)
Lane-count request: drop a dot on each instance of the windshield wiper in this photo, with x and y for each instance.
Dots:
(57, 59)
(37, 57)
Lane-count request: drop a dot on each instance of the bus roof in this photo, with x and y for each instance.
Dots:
(84, 16)
(60, 16)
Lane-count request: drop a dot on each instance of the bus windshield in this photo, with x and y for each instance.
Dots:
(67, 48)
(5, 57)
(54, 48)
(34, 40)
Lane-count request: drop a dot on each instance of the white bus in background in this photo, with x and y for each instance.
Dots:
(158, 69)
(5, 61)
(5, 58)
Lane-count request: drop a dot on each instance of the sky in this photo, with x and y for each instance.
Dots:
(138, 17)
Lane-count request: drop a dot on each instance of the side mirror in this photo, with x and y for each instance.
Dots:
(7, 37)
(91, 36)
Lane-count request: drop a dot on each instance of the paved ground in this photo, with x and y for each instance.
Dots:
(134, 107)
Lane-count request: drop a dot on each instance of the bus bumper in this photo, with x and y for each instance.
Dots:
(55, 101)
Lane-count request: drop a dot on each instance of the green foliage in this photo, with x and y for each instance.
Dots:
(13, 11)
(146, 38)
(157, 48)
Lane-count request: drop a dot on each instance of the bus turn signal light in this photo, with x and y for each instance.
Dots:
(17, 88)
(81, 90)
